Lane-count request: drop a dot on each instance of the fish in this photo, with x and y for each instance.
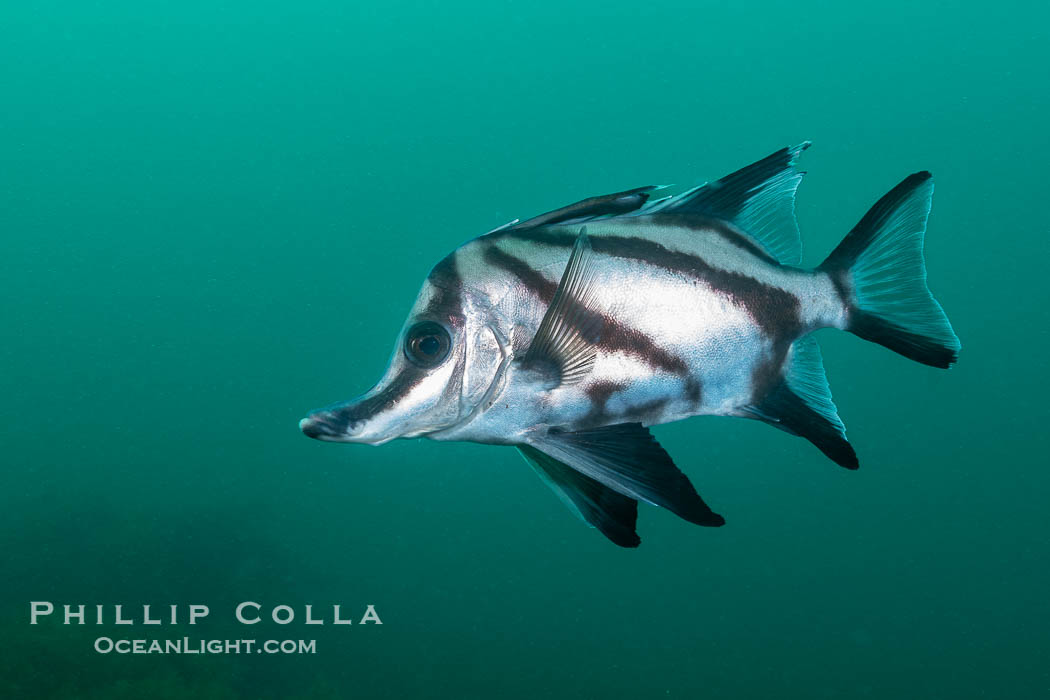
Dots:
(570, 334)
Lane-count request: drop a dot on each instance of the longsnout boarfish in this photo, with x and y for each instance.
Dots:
(571, 333)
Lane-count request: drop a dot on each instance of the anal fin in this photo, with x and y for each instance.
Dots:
(800, 403)
(628, 459)
(612, 513)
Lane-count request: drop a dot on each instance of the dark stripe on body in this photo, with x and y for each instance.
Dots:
(842, 287)
(693, 391)
(529, 276)
(599, 392)
(648, 413)
(691, 222)
(615, 336)
(447, 300)
(771, 372)
(774, 310)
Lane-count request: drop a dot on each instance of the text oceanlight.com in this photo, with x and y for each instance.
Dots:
(107, 645)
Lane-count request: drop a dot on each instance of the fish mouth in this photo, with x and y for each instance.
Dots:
(336, 426)
(328, 426)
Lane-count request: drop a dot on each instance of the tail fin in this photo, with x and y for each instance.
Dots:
(880, 269)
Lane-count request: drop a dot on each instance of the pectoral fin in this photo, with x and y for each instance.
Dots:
(564, 345)
(599, 506)
(629, 460)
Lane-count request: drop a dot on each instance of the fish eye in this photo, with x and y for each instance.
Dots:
(427, 344)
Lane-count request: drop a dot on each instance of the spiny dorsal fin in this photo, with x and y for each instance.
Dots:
(801, 405)
(591, 208)
(629, 460)
(565, 342)
(614, 514)
(758, 199)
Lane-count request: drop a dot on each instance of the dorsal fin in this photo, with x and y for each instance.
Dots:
(591, 208)
(801, 405)
(758, 199)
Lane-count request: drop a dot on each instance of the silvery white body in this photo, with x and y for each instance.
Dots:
(720, 345)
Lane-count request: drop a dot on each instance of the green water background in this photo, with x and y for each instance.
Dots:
(214, 217)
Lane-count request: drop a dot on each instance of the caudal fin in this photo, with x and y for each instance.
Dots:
(880, 269)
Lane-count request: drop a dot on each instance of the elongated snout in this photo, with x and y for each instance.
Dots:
(409, 401)
(350, 421)
(325, 424)
(371, 418)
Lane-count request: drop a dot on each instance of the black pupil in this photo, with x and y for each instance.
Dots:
(429, 345)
